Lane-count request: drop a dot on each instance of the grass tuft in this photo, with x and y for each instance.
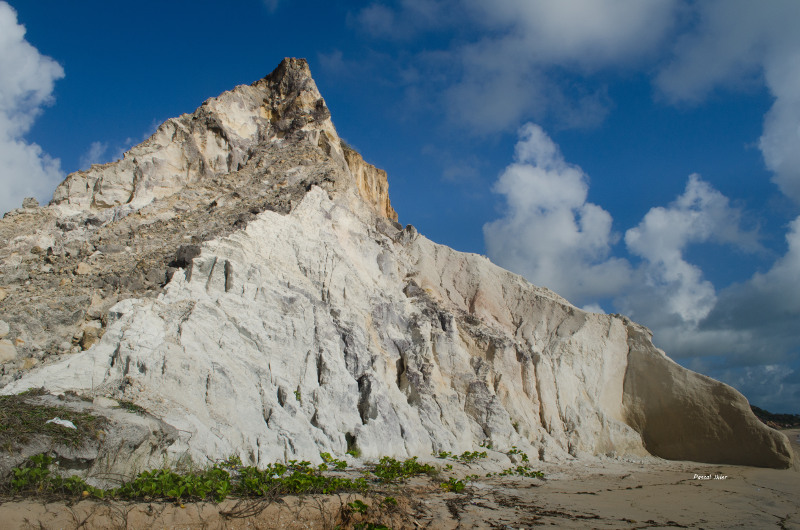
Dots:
(20, 421)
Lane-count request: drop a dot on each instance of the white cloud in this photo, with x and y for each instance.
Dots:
(671, 295)
(587, 33)
(550, 233)
(700, 215)
(514, 60)
(94, 155)
(744, 334)
(503, 54)
(766, 307)
(780, 142)
(739, 42)
(553, 236)
(593, 308)
(26, 85)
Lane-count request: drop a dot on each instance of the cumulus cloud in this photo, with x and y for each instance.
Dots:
(590, 34)
(554, 237)
(511, 60)
(508, 73)
(753, 324)
(735, 43)
(764, 310)
(700, 215)
(780, 142)
(25, 87)
(549, 233)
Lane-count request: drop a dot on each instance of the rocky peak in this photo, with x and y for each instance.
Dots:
(224, 139)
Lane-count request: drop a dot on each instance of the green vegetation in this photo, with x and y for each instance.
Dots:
(38, 476)
(465, 458)
(131, 407)
(216, 483)
(776, 421)
(212, 484)
(35, 478)
(358, 506)
(390, 470)
(515, 451)
(337, 464)
(455, 485)
(520, 471)
(390, 501)
(296, 478)
(20, 421)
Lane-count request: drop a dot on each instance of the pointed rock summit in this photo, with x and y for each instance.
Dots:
(241, 277)
(228, 134)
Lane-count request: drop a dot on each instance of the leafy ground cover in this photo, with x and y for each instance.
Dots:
(39, 476)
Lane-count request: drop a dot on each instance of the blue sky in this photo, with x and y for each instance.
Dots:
(636, 157)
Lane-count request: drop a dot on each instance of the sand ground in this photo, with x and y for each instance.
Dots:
(598, 494)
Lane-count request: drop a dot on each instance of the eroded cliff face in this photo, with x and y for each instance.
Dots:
(373, 184)
(322, 329)
(296, 316)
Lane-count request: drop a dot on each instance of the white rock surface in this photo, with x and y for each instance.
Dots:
(315, 332)
(324, 326)
(8, 352)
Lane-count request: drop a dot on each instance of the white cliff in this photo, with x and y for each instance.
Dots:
(324, 326)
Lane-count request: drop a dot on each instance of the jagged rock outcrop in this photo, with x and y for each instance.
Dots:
(373, 184)
(220, 138)
(291, 314)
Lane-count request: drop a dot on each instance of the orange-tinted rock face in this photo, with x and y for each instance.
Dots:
(372, 182)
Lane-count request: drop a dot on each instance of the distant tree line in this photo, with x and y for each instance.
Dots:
(777, 421)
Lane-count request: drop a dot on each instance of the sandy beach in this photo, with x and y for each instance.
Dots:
(604, 493)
